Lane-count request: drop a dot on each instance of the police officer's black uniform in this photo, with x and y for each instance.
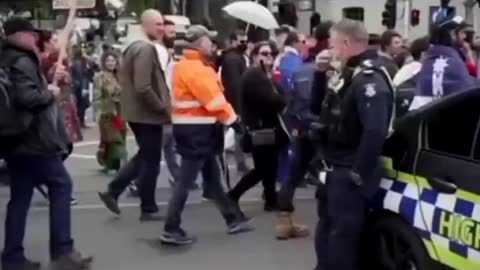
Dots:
(356, 114)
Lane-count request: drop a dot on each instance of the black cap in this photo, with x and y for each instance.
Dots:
(18, 24)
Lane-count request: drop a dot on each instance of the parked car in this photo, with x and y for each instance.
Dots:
(426, 214)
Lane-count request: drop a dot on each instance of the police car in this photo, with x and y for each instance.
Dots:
(426, 214)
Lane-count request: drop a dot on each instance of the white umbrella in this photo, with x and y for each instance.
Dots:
(252, 13)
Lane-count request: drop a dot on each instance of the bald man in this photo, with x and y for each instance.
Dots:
(145, 104)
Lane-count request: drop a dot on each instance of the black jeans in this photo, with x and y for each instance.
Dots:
(26, 173)
(303, 153)
(265, 159)
(212, 179)
(144, 166)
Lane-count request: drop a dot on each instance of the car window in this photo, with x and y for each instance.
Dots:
(452, 130)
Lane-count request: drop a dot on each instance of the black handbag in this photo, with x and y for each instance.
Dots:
(259, 137)
(262, 136)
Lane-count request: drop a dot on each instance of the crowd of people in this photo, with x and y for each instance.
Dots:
(297, 105)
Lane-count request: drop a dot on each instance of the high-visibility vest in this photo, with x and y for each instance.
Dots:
(198, 93)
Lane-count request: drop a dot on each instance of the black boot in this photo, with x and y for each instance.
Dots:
(25, 265)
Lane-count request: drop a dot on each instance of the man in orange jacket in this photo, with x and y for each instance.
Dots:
(200, 113)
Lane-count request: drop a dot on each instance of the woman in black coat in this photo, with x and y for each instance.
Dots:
(262, 103)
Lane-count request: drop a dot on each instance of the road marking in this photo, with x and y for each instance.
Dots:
(81, 156)
(132, 205)
(93, 157)
(90, 143)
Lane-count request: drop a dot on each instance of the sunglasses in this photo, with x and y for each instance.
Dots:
(266, 54)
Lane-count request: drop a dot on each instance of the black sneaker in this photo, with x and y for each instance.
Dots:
(110, 202)
(206, 197)
(73, 201)
(25, 265)
(72, 261)
(180, 238)
(240, 227)
(194, 186)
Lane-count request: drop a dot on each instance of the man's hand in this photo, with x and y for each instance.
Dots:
(60, 73)
(356, 178)
(54, 89)
(237, 126)
(323, 60)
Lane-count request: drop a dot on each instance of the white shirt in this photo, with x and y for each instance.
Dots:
(163, 56)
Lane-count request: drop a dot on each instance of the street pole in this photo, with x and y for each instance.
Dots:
(407, 13)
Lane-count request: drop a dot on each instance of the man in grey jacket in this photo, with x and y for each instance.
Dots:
(146, 106)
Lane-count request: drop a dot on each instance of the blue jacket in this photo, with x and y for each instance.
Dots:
(443, 73)
(300, 98)
(291, 63)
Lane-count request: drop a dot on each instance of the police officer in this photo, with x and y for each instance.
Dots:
(354, 124)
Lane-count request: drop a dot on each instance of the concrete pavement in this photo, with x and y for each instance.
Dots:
(127, 244)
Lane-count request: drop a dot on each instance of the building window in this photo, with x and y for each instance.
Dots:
(354, 13)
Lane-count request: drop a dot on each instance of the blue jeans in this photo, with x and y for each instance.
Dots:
(212, 175)
(144, 166)
(170, 153)
(26, 173)
(285, 160)
(303, 152)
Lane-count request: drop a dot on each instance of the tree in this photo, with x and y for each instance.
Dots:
(136, 6)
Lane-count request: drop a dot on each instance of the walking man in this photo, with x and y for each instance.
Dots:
(200, 114)
(146, 105)
(35, 153)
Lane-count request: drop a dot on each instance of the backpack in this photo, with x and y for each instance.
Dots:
(12, 121)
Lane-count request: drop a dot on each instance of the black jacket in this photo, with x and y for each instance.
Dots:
(357, 119)
(30, 94)
(389, 64)
(233, 67)
(261, 102)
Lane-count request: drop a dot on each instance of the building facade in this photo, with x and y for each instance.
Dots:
(370, 12)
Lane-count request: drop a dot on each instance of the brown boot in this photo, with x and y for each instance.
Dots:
(299, 230)
(285, 226)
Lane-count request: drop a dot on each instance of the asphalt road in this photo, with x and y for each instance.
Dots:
(126, 244)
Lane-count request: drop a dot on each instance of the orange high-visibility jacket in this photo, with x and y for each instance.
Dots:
(198, 93)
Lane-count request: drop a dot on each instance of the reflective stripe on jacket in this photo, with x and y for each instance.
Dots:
(198, 93)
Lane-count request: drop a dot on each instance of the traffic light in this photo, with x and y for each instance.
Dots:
(389, 16)
(315, 20)
(415, 17)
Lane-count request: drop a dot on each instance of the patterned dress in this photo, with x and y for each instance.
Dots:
(112, 149)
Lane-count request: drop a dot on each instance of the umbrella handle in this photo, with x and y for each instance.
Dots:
(248, 25)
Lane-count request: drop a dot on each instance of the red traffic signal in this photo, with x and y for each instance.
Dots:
(415, 17)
